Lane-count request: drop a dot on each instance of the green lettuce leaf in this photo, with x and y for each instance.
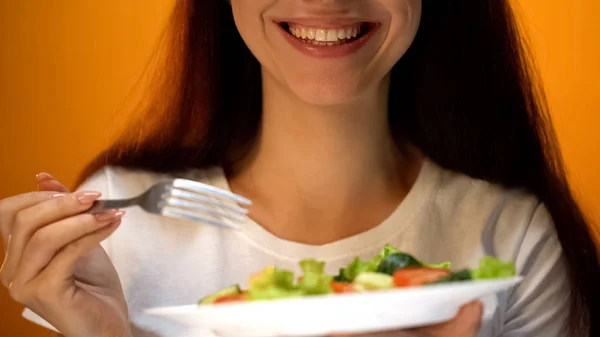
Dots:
(272, 283)
(357, 267)
(386, 251)
(341, 277)
(442, 265)
(492, 268)
(314, 280)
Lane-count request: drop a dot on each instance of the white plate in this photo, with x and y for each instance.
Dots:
(347, 313)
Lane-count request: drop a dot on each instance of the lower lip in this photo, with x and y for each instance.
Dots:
(335, 51)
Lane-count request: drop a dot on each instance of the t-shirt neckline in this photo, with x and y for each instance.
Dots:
(390, 228)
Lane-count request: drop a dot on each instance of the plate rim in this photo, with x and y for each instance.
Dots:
(413, 291)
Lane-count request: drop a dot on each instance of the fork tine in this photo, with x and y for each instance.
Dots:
(204, 188)
(186, 215)
(181, 194)
(194, 206)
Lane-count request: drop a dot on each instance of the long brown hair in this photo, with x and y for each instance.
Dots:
(465, 94)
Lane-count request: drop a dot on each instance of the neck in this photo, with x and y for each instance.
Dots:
(316, 169)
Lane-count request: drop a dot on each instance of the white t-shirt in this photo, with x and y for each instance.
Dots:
(445, 216)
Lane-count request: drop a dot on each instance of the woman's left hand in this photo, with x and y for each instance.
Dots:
(466, 324)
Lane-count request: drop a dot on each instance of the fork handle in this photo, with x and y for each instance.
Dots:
(102, 205)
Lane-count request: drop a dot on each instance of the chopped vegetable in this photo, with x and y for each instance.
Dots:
(388, 269)
(443, 265)
(373, 281)
(463, 275)
(230, 299)
(272, 283)
(341, 278)
(314, 281)
(340, 287)
(396, 261)
(229, 291)
(492, 268)
(386, 251)
(410, 277)
(357, 267)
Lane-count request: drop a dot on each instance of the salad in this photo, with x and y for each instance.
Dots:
(389, 269)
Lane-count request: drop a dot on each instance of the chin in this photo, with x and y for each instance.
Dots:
(320, 92)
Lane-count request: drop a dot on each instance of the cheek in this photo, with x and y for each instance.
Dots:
(247, 23)
(256, 33)
(247, 15)
(404, 24)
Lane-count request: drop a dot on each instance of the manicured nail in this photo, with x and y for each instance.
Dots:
(86, 197)
(113, 215)
(44, 176)
(115, 224)
(58, 195)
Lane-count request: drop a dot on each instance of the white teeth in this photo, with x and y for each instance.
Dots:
(326, 35)
(321, 35)
(332, 35)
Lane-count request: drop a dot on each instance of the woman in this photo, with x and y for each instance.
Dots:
(350, 124)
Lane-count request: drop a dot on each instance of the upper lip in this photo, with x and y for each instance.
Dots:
(330, 23)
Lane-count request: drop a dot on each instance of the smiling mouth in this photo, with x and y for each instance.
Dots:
(328, 36)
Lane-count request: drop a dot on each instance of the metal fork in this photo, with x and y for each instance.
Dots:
(185, 199)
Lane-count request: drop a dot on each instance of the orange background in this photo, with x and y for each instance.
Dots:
(66, 67)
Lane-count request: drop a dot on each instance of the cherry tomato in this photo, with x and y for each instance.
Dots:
(340, 287)
(409, 277)
(230, 299)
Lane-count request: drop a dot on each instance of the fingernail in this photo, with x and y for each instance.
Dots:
(85, 197)
(57, 195)
(44, 176)
(110, 215)
(115, 224)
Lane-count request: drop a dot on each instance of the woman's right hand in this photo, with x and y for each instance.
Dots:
(55, 265)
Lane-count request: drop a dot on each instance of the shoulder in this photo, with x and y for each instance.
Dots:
(461, 193)
(508, 220)
(119, 182)
(511, 224)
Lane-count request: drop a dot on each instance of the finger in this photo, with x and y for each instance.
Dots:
(469, 318)
(9, 208)
(47, 182)
(51, 281)
(28, 221)
(63, 264)
(52, 185)
(47, 241)
(466, 323)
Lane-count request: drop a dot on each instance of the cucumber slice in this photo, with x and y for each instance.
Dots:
(373, 281)
(233, 290)
(397, 261)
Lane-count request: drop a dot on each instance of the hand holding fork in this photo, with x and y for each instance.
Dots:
(54, 263)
